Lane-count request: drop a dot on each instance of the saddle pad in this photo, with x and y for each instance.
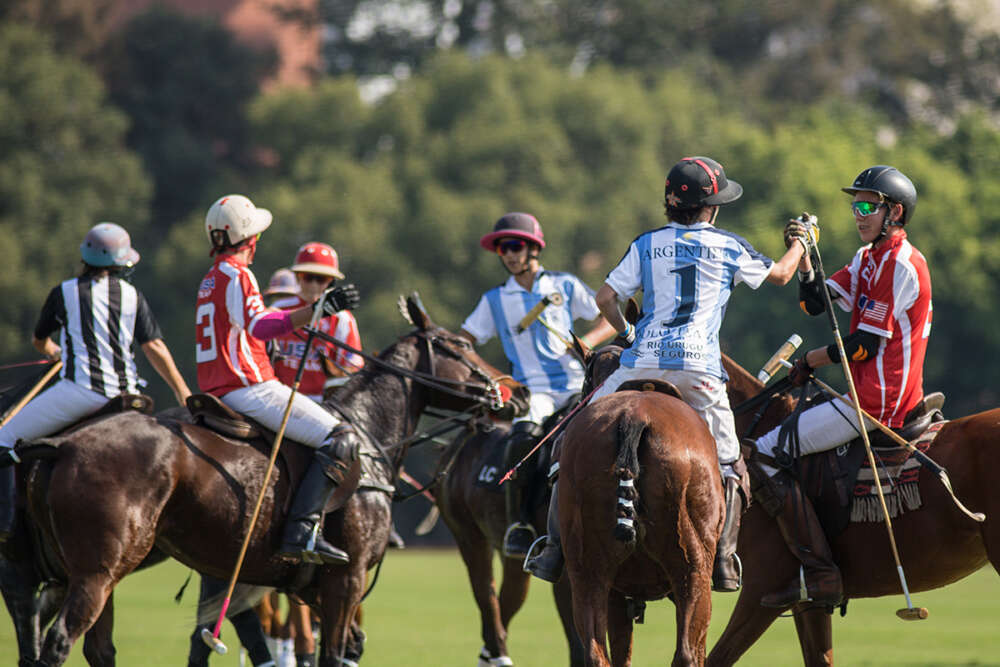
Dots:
(899, 472)
(490, 464)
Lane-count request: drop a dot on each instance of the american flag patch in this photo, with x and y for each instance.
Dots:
(873, 310)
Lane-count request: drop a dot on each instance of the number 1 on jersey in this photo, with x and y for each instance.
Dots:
(686, 278)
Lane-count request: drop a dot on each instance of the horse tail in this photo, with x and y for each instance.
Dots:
(626, 469)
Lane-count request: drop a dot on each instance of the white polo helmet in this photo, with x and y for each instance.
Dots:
(234, 218)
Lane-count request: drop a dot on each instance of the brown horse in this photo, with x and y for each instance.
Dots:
(118, 486)
(472, 505)
(669, 518)
(937, 545)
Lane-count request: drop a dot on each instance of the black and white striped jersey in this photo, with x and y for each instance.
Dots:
(101, 318)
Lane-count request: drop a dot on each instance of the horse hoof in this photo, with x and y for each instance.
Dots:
(500, 661)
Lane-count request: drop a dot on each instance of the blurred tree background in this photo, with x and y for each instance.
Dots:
(432, 118)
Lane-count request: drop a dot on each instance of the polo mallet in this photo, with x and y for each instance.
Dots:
(555, 298)
(212, 638)
(427, 524)
(925, 460)
(49, 374)
(910, 613)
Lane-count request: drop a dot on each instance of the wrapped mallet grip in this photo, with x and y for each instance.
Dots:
(529, 318)
(783, 353)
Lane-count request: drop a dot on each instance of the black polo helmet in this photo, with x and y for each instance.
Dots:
(890, 183)
(699, 181)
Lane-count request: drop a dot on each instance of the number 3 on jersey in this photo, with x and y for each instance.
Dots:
(205, 349)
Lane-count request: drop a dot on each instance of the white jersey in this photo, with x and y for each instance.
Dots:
(686, 273)
(539, 360)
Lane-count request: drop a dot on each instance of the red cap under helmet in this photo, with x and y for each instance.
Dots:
(318, 258)
(514, 225)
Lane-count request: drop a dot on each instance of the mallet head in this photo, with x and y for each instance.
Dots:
(913, 613)
(213, 642)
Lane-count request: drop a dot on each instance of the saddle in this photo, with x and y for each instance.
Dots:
(830, 478)
(660, 386)
(210, 412)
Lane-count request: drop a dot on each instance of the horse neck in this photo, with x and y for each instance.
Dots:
(384, 404)
(741, 385)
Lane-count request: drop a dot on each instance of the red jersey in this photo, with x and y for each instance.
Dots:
(229, 302)
(888, 293)
(342, 326)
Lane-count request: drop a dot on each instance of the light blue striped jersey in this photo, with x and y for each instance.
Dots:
(538, 358)
(686, 273)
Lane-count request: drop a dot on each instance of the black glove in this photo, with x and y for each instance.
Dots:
(794, 231)
(341, 297)
(799, 372)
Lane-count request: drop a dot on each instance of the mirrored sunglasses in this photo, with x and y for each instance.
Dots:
(510, 245)
(866, 208)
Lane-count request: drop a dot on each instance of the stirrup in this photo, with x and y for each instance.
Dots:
(520, 525)
(531, 552)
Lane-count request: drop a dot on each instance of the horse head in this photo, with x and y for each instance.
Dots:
(451, 360)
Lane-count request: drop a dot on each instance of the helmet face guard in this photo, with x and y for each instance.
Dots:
(889, 183)
(233, 219)
(108, 244)
(522, 226)
(696, 182)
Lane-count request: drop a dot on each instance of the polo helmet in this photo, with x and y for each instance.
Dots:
(234, 218)
(517, 226)
(699, 181)
(318, 258)
(108, 244)
(890, 183)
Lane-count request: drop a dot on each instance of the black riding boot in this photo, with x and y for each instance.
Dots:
(303, 540)
(727, 575)
(819, 578)
(8, 509)
(520, 533)
(548, 565)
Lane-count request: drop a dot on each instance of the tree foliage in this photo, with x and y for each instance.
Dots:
(64, 167)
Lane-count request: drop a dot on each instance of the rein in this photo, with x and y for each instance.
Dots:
(492, 399)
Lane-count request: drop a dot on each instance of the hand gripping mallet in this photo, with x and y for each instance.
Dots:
(212, 638)
(911, 613)
(49, 374)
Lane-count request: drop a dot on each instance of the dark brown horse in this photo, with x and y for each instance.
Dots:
(472, 505)
(119, 486)
(937, 544)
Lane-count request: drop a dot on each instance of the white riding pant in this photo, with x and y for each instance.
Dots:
(543, 404)
(308, 423)
(61, 405)
(821, 427)
(703, 392)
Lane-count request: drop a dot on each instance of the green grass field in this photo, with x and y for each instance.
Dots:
(422, 615)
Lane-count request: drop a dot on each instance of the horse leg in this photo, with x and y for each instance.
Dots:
(693, 599)
(513, 590)
(340, 597)
(747, 623)
(98, 648)
(590, 615)
(815, 629)
(619, 630)
(564, 603)
(478, 556)
(17, 581)
(85, 600)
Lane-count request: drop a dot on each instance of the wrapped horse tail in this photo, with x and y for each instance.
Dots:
(626, 469)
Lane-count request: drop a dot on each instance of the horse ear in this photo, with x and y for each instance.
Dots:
(582, 350)
(632, 311)
(418, 315)
(403, 306)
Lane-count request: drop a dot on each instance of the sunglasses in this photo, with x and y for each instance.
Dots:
(510, 245)
(314, 278)
(866, 208)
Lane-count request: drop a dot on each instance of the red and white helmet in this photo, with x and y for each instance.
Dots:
(318, 258)
(234, 218)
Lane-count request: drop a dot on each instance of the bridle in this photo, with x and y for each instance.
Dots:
(491, 398)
